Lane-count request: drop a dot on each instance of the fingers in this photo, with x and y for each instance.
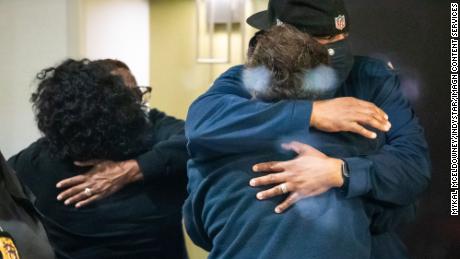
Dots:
(370, 120)
(379, 122)
(358, 129)
(88, 163)
(275, 191)
(371, 115)
(77, 198)
(69, 182)
(268, 179)
(88, 201)
(379, 113)
(274, 167)
(297, 147)
(293, 198)
(71, 192)
(301, 149)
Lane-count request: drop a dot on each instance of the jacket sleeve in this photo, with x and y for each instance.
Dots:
(400, 171)
(226, 121)
(168, 156)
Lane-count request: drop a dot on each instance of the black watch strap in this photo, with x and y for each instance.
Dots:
(345, 177)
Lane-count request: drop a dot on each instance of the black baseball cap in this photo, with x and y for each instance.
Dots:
(316, 17)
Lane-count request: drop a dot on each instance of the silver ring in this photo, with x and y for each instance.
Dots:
(283, 188)
(88, 192)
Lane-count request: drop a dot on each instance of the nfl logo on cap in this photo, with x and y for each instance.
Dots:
(340, 22)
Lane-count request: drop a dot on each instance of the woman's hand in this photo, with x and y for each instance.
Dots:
(104, 179)
(311, 173)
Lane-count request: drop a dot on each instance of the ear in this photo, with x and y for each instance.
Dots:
(256, 79)
(320, 79)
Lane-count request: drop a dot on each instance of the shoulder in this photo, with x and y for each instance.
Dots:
(165, 125)
(30, 157)
(371, 68)
(35, 165)
(229, 84)
(228, 80)
(158, 117)
(372, 79)
(31, 152)
(233, 72)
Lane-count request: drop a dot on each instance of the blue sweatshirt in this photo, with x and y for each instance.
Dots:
(228, 132)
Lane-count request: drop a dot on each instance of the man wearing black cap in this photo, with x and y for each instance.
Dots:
(226, 122)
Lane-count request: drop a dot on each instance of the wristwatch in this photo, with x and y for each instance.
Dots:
(345, 177)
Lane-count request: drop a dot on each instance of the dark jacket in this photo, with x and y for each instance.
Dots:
(228, 132)
(18, 218)
(143, 220)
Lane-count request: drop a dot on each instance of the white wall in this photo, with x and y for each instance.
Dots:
(118, 29)
(34, 34)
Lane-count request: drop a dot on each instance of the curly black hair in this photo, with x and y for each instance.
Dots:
(86, 111)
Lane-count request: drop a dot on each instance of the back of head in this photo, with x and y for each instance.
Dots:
(86, 111)
(281, 62)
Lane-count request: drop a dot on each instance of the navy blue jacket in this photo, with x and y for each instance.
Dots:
(228, 132)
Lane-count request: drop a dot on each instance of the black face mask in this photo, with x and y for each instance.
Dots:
(341, 59)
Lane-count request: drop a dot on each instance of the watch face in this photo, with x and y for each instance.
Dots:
(8, 249)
